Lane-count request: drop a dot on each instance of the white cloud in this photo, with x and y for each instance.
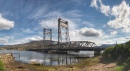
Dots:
(89, 24)
(27, 30)
(3, 40)
(113, 33)
(23, 40)
(119, 40)
(74, 13)
(121, 13)
(122, 17)
(54, 14)
(39, 12)
(5, 24)
(88, 32)
(71, 13)
(104, 9)
(53, 23)
(35, 38)
(94, 4)
(50, 23)
(126, 30)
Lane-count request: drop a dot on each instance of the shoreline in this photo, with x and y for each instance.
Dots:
(85, 64)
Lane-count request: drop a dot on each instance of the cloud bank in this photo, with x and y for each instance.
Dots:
(87, 32)
(5, 24)
(121, 14)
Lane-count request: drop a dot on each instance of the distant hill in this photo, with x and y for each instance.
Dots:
(2, 45)
(36, 44)
(31, 44)
(107, 45)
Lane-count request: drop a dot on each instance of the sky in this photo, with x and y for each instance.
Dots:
(99, 21)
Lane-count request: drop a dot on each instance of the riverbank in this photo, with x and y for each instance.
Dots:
(12, 65)
(90, 64)
(86, 64)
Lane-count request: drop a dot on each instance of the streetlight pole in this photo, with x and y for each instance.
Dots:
(116, 50)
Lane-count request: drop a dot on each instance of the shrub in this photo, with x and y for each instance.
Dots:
(108, 53)
(2, 66)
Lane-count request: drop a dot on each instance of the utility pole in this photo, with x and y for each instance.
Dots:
(116, 51)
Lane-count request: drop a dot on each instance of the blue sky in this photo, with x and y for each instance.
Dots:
(99, 21)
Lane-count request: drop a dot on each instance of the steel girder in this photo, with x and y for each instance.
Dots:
(77, 44)
(70, 45)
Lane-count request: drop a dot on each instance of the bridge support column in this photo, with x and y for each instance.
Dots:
(97, 52)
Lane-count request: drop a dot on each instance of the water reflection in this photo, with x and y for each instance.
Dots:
(44, 58)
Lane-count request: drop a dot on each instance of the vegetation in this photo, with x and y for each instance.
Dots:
(81, 64)
(119, 53)
(41, 68)
(1, 66)
(119, 68)
(87, 62)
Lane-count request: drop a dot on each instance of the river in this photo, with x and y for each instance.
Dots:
(48, 59)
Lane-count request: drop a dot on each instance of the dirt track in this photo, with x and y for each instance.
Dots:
(101, 67)
(97, 67)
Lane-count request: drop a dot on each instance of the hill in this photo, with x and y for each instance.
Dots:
(107, 45)
(36, 44)
(31, 44)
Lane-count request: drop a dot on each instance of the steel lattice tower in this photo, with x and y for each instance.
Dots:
(63, 31)
(47, 38)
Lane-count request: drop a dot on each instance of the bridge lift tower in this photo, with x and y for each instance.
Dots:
(63, 31)
(47, 38)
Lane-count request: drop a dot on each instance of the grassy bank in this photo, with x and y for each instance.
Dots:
(87, 62)
(79, 65)
(2, 66)
(42, 67)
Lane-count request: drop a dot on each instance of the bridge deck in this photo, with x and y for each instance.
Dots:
(71, 49)
(71, 46)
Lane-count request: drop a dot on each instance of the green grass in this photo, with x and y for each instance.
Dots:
(119, 68)
(81, 64)
(87, 62)
(41, 67)
(2, 66)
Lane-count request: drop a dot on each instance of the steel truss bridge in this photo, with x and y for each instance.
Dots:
(70, 46)
(64, 43)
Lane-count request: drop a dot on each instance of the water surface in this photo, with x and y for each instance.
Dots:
(48, 59)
